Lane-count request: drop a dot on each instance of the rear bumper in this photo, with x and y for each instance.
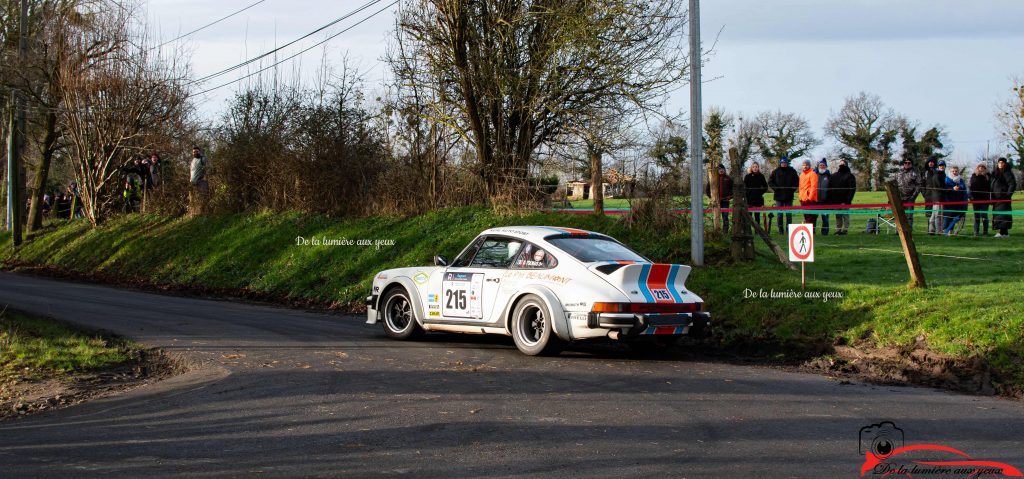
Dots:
(371, 309)
(650, 324)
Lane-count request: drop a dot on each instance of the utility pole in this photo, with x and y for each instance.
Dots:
(696, 142)
(15, 140)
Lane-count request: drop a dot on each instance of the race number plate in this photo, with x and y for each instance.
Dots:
(462, 296)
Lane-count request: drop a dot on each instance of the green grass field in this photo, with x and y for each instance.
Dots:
(33, 347)
(970, 309)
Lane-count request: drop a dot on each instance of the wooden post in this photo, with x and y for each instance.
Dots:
(783, 257)
(803, 275)
(906, 236)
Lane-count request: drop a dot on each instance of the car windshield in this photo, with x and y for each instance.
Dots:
(589, 249)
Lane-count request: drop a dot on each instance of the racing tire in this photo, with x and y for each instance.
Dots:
(532, 328)
(399, 315)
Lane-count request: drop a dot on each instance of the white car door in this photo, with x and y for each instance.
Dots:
(469, 291)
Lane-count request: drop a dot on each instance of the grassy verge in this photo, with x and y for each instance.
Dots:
(970, 311)
(34, 348)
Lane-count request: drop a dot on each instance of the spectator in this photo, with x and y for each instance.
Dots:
(1003, 186)
(200, 186)
(75, 200)
(62, 206)
(153, 167)
(724, 194)
(809, 192)
(756, 186)
(955, 193)
(824, 177)
(934, 185)
(132, 194)
(784, 182)
(910, 183)
(47, 205)
(842, 187)
(980, 189)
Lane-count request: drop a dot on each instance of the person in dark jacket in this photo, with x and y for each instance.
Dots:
(934, 186)
(783, 181)
(910, 183)
(956, 196)
(1003, 186)
(724, 194)
(756, 186)
(980, 190)
(841, 188)
(823, 187)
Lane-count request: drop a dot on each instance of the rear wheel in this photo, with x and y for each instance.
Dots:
(399, 315)
(532, 328)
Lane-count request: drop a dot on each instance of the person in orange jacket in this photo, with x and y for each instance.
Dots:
(809, 191)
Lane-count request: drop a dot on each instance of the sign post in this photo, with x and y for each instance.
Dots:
(801, 248)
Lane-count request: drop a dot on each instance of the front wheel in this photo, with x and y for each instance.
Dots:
(532, 328)
(399, 315)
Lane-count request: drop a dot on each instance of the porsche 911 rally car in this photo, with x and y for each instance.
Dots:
(544, 286)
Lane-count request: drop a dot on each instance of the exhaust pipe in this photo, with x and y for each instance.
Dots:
(615, 335)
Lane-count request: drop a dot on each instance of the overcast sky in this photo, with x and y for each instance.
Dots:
(946, 62)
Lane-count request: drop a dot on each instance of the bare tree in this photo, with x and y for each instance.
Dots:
(1011, 123)
(867, 130)
(515, 73)
(783, 134)
(715, 126)
(113, 105)
(670, 151)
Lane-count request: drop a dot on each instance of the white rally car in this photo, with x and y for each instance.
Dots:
(544, 286)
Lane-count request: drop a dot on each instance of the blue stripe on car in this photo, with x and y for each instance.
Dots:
(670, 284)
(644, 273)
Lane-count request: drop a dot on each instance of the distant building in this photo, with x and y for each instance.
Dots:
(580, 190)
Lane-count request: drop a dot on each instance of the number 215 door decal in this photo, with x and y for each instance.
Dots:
(462, 297)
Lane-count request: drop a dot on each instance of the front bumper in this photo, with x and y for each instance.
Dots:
(371, 309)
(633, 325)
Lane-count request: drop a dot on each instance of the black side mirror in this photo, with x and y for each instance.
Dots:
(440, 261)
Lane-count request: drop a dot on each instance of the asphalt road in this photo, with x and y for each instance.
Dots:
(282, 392)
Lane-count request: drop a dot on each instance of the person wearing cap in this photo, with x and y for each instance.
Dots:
(784, 182)
(1003, 186)
(980, 193)
(842, 187)
(956, 198)
(935, 186)
(724, 194)
(824, 178)
(809, 193)
(909, 182)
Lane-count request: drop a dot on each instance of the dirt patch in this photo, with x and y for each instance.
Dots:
(910, 364)
(21, 397)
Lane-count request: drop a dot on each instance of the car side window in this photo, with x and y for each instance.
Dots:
(496, 253)
(467, 255)
(534, 257)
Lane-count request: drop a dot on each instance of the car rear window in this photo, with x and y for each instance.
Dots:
(590, 249)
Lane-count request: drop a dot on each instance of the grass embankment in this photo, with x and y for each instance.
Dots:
(35, 348)
(969, 311)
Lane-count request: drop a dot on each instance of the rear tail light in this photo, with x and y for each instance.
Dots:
(640, 308)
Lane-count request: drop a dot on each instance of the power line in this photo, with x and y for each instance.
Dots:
(271, 52)
(208, 25)
(374, 14)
